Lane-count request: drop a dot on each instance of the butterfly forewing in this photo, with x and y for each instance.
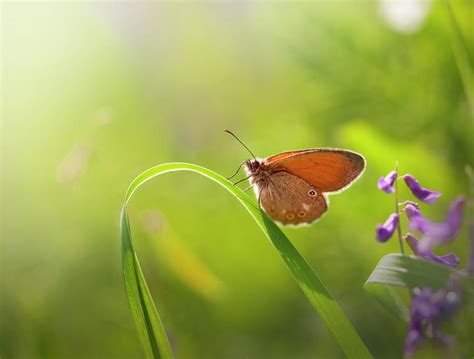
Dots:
(289, 199)
(328, 170)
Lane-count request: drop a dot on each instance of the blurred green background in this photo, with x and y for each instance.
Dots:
(95, 92)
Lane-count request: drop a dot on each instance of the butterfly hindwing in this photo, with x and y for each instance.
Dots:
(289, 199)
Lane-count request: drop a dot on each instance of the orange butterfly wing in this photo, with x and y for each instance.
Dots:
(327, 169)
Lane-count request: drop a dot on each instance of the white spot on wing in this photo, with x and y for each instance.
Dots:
(306, 206)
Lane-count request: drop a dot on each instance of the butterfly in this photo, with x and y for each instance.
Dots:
(292, 187)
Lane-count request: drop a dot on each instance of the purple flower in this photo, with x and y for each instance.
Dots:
(386, 183)
(436, 233)
(423, 194)
(417, 221)
(450, 260)
(413, 339)
(471, 240)
(427, 304)
(385, 231)
(428, 308)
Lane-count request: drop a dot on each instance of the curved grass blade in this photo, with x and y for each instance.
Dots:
(145, 314)
(150, 330)
(461, 56)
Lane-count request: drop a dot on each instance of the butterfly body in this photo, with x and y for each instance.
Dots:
(292, 187)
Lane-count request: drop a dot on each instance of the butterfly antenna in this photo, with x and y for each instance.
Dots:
(243, 144)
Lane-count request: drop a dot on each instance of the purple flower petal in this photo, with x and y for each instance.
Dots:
(428, 309)
(436, 234)
(412, 341)
(471, 245)
(423, 194)
(386, 183)
(427, 304)
(385, 231)
(450, 260)
(417, 221)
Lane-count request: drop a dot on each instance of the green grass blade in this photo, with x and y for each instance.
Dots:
(147, 320)
(411, 272)
(145, 314)
(461, 57)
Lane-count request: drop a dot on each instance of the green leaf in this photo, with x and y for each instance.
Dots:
(389, 299)
(403, 271)
(146, 316)
(411, 272)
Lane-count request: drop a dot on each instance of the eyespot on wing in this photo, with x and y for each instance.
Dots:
(285, 198)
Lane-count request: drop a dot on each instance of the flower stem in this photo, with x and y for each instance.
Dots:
(397, 211)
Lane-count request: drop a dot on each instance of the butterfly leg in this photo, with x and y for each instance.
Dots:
(243, 179)
(249, 187)
(238, 169)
